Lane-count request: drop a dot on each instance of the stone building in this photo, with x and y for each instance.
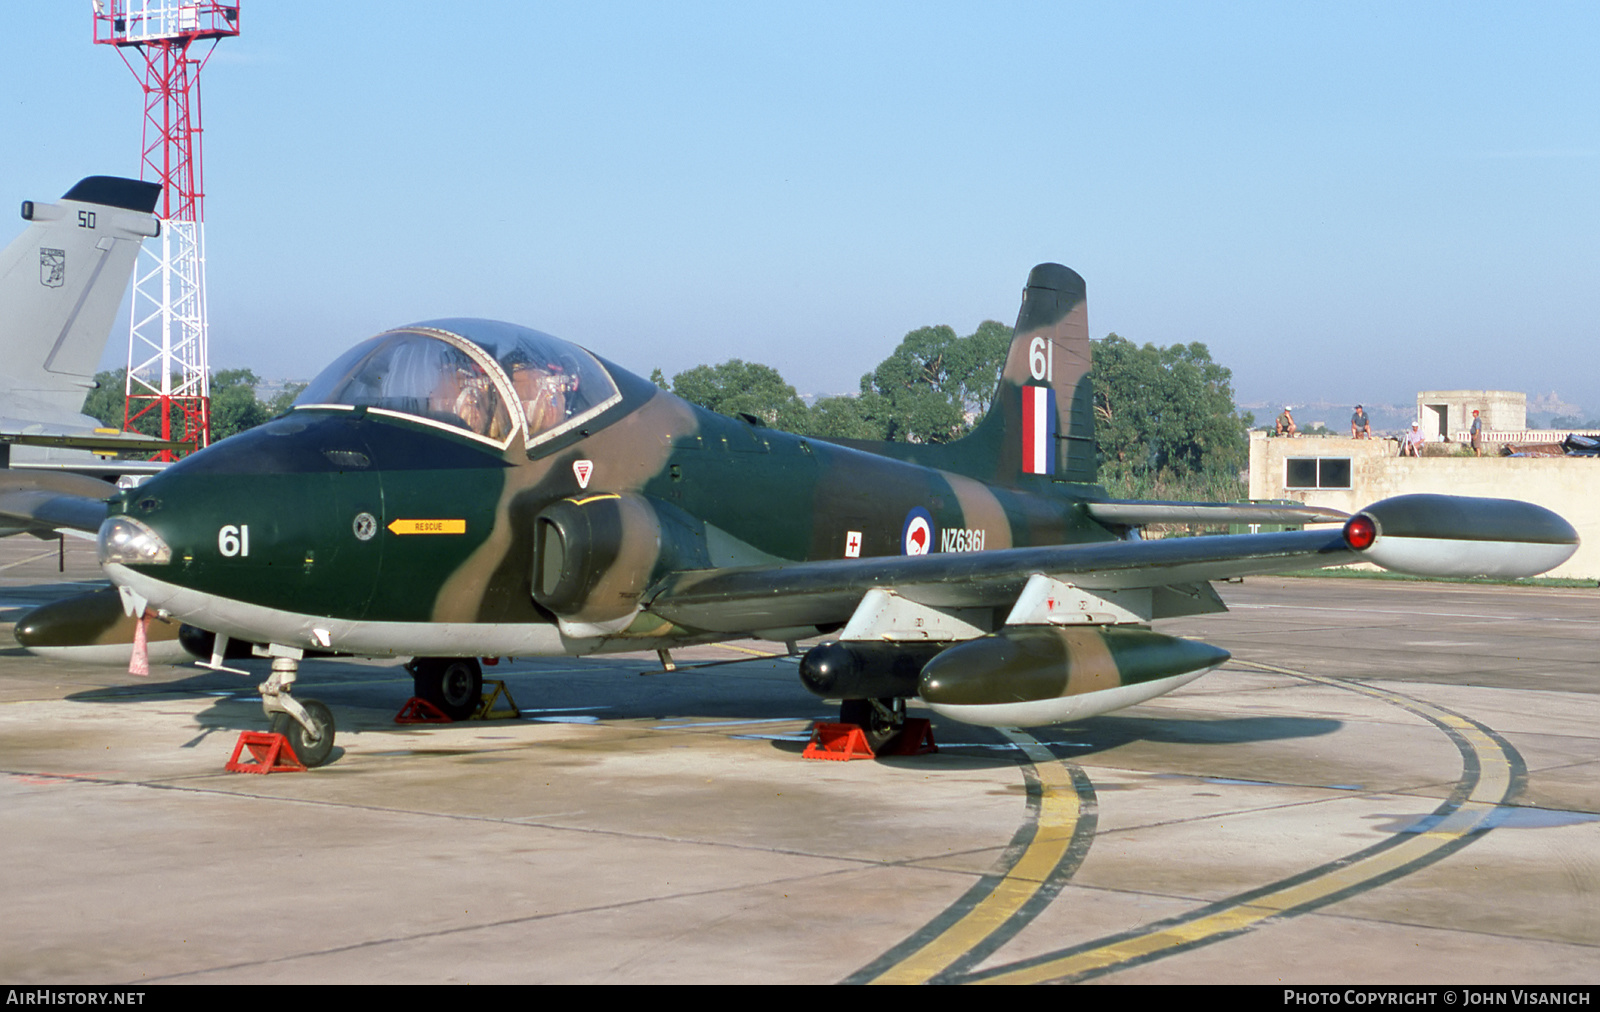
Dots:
(1350, 474)
(1446, 415)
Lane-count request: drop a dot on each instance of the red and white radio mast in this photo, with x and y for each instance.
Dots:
(168, 364)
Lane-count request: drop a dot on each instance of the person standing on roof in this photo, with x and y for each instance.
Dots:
(1476, 432)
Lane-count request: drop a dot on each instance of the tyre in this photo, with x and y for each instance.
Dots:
(312, 748)
(453, 684)
(881, 723)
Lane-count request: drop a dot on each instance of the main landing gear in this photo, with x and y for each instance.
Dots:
(453, 684)
(880, 720)
(307, 723)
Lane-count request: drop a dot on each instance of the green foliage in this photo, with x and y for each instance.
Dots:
(105, 401)
(234, 405)
(863, 417)
(284, 399)
(1574, 422)
(736, 387)
(923, 393)
(1164, 417)
(935, 381)
(1165, 422)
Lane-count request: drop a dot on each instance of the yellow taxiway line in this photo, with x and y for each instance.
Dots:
(1489, 774)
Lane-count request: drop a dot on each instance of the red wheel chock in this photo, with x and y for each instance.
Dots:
(916, 739)
(270, 753)
(837, 741)
(419, 711)
(844, 742)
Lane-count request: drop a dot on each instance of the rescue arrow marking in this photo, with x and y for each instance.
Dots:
(428, 527)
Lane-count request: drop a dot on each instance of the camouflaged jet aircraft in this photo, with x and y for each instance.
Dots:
(464, 488)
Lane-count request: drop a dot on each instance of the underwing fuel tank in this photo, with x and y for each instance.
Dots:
(1029, 675)
(865, 670)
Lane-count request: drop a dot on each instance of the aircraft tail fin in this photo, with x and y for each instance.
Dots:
(1040, 424)
(61, 282)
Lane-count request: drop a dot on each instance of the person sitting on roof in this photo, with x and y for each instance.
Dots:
(1411, 445)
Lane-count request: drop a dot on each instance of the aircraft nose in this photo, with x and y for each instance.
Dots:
(126, 541)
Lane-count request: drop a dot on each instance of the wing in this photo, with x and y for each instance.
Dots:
(47, 501)
(827, 593)
(1124, 580)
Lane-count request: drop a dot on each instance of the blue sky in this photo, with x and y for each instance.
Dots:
(1350, 201)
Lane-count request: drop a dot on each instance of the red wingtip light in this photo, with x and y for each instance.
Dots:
(1360, 532)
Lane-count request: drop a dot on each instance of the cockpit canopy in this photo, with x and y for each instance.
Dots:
(487, 378)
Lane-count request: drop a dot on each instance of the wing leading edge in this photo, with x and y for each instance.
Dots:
(47, 501)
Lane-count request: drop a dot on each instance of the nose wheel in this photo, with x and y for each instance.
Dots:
(306, 723)
(312, 745)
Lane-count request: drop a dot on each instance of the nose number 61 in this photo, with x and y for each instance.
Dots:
(233, 540)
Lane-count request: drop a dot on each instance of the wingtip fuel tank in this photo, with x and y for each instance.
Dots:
(1457, 536)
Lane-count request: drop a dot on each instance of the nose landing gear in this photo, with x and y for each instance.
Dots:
(308, 723)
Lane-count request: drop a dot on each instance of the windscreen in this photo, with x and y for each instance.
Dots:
(555, 384)
(414, 374)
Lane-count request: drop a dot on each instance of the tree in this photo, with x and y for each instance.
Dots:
(739, 387)
(1165, 422)
(234, 405)
(283, 400)
(862, 417)
(935, 385)
(105, 401)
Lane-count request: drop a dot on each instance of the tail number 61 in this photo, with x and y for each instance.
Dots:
(233, 540)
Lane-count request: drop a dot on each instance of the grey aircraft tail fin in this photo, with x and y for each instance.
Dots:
(61, 282)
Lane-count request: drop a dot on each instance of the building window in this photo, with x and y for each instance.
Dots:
(1317, 472)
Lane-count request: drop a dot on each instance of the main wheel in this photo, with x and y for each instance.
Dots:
(315, 747)
(881, 720)
(453, 684)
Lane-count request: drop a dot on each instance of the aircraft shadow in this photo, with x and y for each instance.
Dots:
(743, 698)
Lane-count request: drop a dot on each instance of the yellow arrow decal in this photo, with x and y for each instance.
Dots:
(428, 527)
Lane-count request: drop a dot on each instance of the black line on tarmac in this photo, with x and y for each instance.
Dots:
(979, 891)
(984, 889)
(1471, 771)
(1082, 838)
